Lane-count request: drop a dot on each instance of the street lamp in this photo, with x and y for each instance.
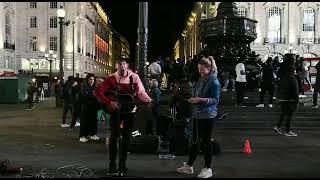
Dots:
(61, 14)
(52, 57)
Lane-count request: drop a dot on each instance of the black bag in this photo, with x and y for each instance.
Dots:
(144, 144)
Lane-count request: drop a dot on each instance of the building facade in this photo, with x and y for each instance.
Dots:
(29, 30)
(282, 27)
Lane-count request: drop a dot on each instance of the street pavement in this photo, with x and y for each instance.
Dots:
(34, 140)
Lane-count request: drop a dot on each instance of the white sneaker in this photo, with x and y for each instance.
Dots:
(65, 125)
(246, 97)
(224, 89)
(274, 97)
(83, 139)
(270, 105)
(290, 133)
(260, 105)
(205, 173)
(77, 124)
(315, 107)
(259, 90)
(186, 169)
(95, 137)
(278, 130)
(302, 96)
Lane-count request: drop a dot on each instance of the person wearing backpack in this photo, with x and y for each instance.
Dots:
(67, 100)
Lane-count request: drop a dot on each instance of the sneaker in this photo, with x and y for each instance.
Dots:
(83, 139)
(246, 97)
(259, 90)
(274, 98)
(223, 116)
(65, 125)
(29, 109)
(260, 105)
(77, 124)
(94, 137)
(278, 130)
(290, 133)
(205, 173)
(270, 105)
(186, 169)
(224, 89)
(315, 107)
(302, 96)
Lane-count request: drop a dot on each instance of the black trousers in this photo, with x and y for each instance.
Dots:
(88, 121)
(315, 93)
(75, 114)
(240, 89)
(154, 121)
(116, 119)
(201, 132)
(264, 88)
(67, 105)
(30, 100)
(300, 83)
(287, 110)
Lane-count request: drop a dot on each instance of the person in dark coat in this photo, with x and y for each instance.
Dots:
(316, 86)
(76, 104)
(88, 120)
(268, 82)
(288, 94)
(31, 90)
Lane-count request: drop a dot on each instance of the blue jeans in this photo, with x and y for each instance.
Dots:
(226, 82)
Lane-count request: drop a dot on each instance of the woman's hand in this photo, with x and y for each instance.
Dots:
(194, 100)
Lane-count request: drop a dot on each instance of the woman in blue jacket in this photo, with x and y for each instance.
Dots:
(205, 100)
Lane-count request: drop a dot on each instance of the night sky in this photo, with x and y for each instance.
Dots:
(166, 22)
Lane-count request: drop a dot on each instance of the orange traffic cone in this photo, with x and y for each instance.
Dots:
(247, 149)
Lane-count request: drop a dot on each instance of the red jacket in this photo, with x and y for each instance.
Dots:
(110, 83)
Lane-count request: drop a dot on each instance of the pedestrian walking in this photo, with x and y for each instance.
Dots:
(316, 86)
(67, 100)
(288, 95)
(31, 90)
(240, 82)
(268, 82)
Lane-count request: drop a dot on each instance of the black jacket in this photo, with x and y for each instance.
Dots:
(288, 89)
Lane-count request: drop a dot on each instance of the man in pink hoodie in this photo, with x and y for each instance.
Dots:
(124, 81)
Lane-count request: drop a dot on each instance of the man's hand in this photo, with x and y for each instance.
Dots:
(113, 106)
(194, 100)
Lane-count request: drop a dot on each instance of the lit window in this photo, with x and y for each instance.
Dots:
(33, 4)
(33, 22)
(53, 43)
(33, 43)
(53, 5)
(308, 26)
(274, 25)
(53, 22)
(242, 11)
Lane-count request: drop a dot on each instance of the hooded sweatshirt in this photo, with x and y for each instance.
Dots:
(111, 83)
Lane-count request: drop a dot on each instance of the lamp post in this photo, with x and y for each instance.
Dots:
(61, 14)
(50, 57)
(142, 42)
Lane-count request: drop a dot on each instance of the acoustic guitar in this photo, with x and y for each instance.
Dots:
(126, 102)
